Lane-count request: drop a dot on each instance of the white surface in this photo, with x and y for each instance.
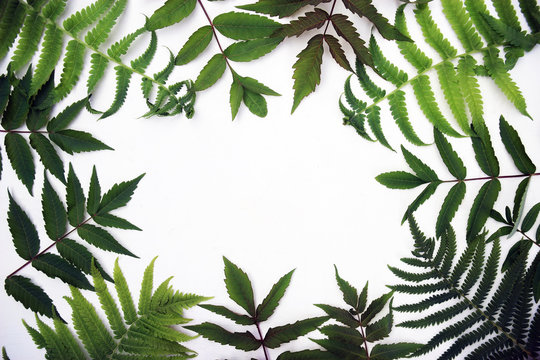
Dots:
(273, 194)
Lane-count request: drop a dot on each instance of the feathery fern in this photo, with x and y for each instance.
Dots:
(241, 292)
(351, 341)
(456, 72)
(492, 325)
(83, 32)
(143, 333)
(73, 259)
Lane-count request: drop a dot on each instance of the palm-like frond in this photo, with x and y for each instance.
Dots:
(148, 334)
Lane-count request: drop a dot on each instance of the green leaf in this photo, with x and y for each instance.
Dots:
(242, 26)
(384, 67)
(421, 170)
(21, 159)
(341, 315)
(255, 86)
(110, 220)
(398, 107)
(450, 158)
(242, 341)
(211, 73)
(229, 314)
(79, 256)
(101, 239)
(381, 328)
(236, 95)
(94, 193)
(74, 141)
(5, 90)
(462, 25)
(170, 13)
(100, 32)
(255, 102)
(195, 45)
(124, 295)
(86, 16)
(75, 198)
(342, 334)
(281, 8)
(119, 195)
(48, 155)
(530, 218)
(54, 213)
(350, 294)
(63, 119)
(311, 20)
(484, 152)
(30, 295)
(307, 70)
(432, 33)
(18, 105)
(73, 65)
(449, 207)
(374, 120)
(420, 199)
(345, 29)
(279, 335)
(482, 205)
(307, 355)
(393, 351)
(12, 19)
(248, 50)
(23, 232)
(515, 148)
(362, 298)
(239, 287)
(29, 37)
(146, 288)
(271, 301)
(375, 307)
(54, 266)
(519, 203)
(399, 180)
(515, 253)
(337, 52)
(123, 77)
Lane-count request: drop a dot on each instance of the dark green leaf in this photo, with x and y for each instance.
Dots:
(380, 329)
(307, 355)
(500, 232)
(337, 52)
(239, 287)
(242, 341)
(515, 148)
(519, 202)
(530, 218)
(236, 95)
(119, 195)
(271, 301)
(63, 119)
(101, 239)
(79, 256)
(449, 207)
(48, 155)
(483, 151)
(74, 141)
(242, 26)
(311, 20)
(279, 335)
(307, 70)
(345, 29)
(110, 220)
(211, 73)
(362, 299)
(449, 156)
(94, 193)
(281, 8)
(495, 215)
(256, 103)
(74, 198)
(229, 314)
(341, 315)
(420, 199)
(5, 90)
(421, 170)
(251, 49)
(375, 307)
(350, 294)
(515, 253)
(254, 85)
(30, 295)
(170, 13)
(17, 109)
(54, 213)
(195, 45)
(20, 156)
(54, 266)
(342, 350)
(399, 180)
(482, 205)
(23, 232)
(393, 351)
(338, 333)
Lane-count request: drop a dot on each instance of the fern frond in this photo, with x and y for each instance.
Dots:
(477, 9)
(507, 13)
(398, 107)
(385, 68)
(100, 32)
(97, 70)
(432, 33)
(142, 62)
(53, 9)
(371, 89)
(86, 17)
(374, 121)
(29, 37)
(73, 65)
(123, 77)
(462, 24)
(409, 50)
(121, 47)
(50, 54)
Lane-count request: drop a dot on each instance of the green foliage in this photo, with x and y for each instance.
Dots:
(148, 334)
(30, 22)
(488, 163)
(456, 73)
(73, 259)
(240, 291)
(349, 340)
(480, 323)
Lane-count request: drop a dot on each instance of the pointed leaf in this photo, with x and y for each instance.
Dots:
(74, 198)
(381, 328)
(271, 301)
(341, 315)
(48, 155)
(236, 96)
(211, 73)
(307, 69)
(20, 157)
(170, 13)
(119, 195)
(350, 294)
(109, 220)
(279, 335)
(421, 170)
(399, 180)
(451, 159)
(345, 28)
(515, 148)
(242, 341)
(74, 141)
(393, 351)
(31, 296)
(197, 42)
(146, 288)
(281, 8)
(23, 232)
(55, 266)
(311, 20)
(79, 256)
(254, 85)
(54, 213)
(375, 307)
(101, 239)
(249, 50)
(255, 102)
(482, 205)
(420, 199)
(449, 207)
(239, 287)
(530, 218)
(337, 52)
(124, 295)
(229, 314)
(242, 26)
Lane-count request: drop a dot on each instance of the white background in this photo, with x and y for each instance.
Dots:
(275, 194)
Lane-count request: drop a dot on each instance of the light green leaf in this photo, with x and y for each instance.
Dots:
(211, 73)
(248, 50)
(242, 26)
(124, 295)
(170, 13)
(197, 42)
(256, 103)
(146, 288)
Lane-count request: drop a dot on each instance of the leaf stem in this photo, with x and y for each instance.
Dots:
(490, 178)
(266, 356)
(49, 247)
(215, 34)
(364, 336)
(328, 20)
(24, 132)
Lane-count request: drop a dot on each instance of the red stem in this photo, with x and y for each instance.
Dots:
(24, 131)
(328, 20)
(215, 33)
(364, 336)
(491, 177)
(266, 356)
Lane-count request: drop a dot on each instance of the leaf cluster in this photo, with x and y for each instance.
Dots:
(141, 332)
(357, 328)
(240, 291)
(74, 259)
(457, 72)
(480, 322)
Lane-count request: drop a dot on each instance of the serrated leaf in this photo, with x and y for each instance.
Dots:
(242, 26)
(381, 328)
(94, 193)
(211, 72)
(74, 141)
(362, 298)
(421, 170)
(102, 239)
(399, 180)
(451, 159)
(482, 205)
(337, 52)
(307, 70)
(5, 90)
(279, 335)
(242, 341)
(256, 103)
(30, 295)
(74, 198)
(54, 266)
(239, 287)
(515, 148)
(341, 315)
(229, 314)
(249, 50)
(23, 232)
(311, 20)
(393, 351)
(449, 207)
(420, 199)
(79, 256)
(271, 301)
(350, 294)
(307, 355)
(519, 203)
(255, 86)
(515, 253)
(119, 195)
(123, 78)
(345, 28)
(281, 8)
(109, 220)
(196, 43)
(170, 13)
(48, 155)
(484, 152)
(20, 157)
(342, 334)
(375, 307)
(235, 97)
(54, 213)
